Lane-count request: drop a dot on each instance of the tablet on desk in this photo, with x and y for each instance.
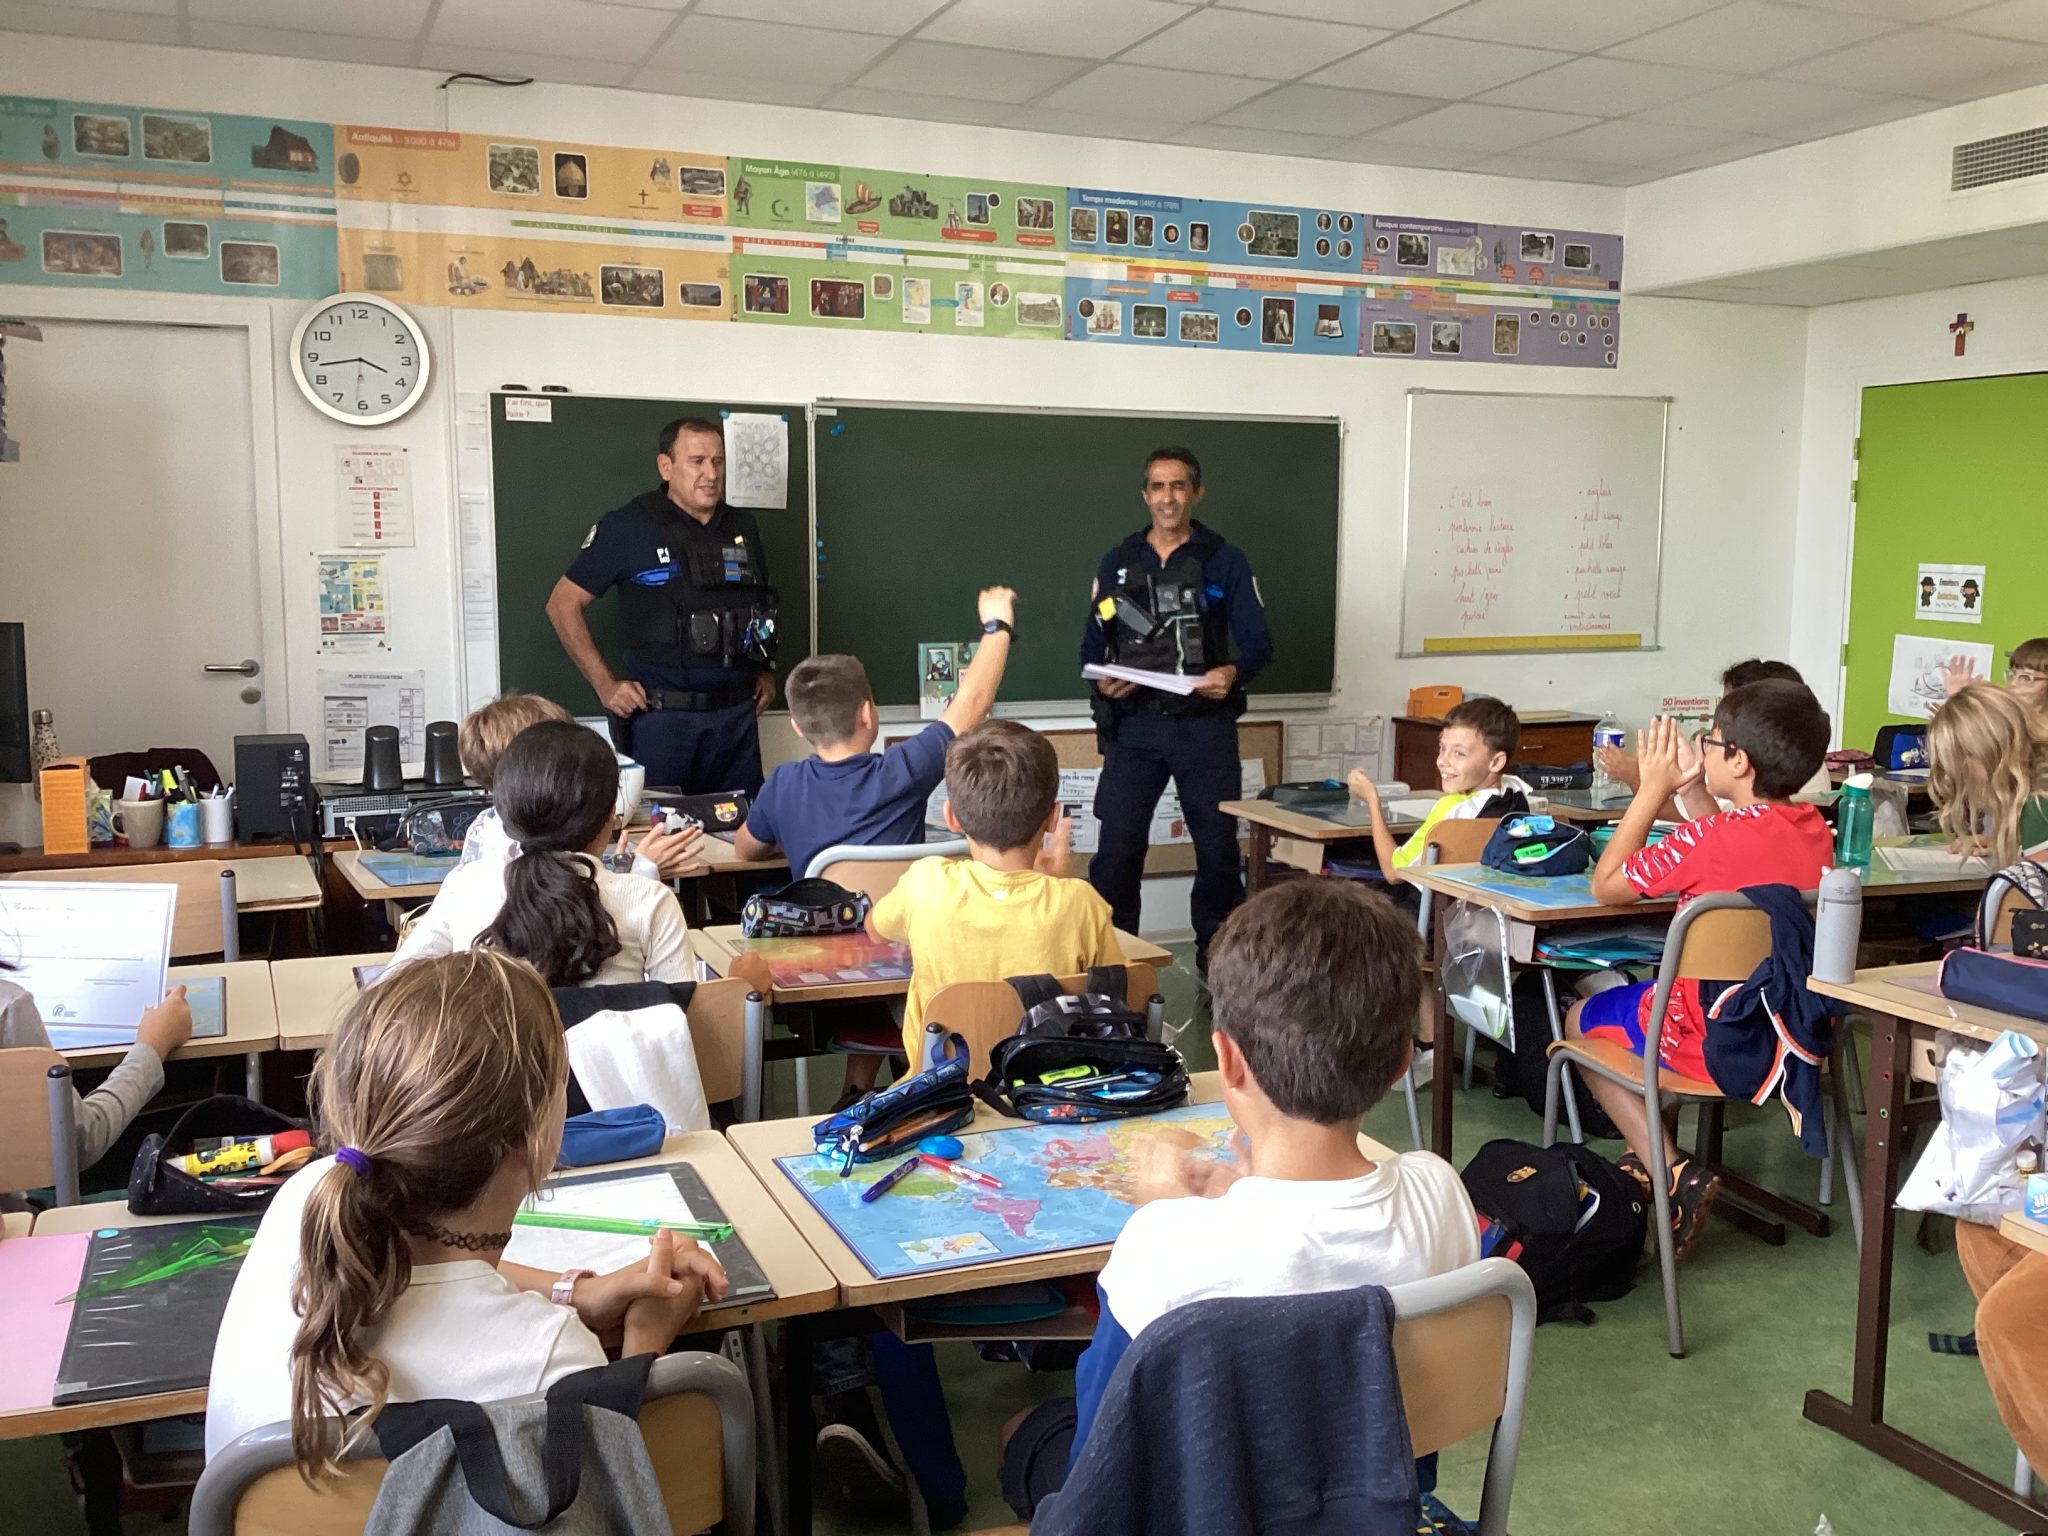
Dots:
(207, 996)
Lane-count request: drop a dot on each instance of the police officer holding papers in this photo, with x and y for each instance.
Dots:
(1171, 598)
(699, 618)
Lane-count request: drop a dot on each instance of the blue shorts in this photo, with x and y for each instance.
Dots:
(1620, 1013)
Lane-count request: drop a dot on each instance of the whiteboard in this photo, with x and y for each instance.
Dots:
(1533, 522)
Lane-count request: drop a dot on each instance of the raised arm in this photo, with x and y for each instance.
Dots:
(976, 695)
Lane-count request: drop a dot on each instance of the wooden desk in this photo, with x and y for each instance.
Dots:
(2027, 1233)
(1556, 739)
(372, 887)
(1334, 826)
(251, 1019)
(1584, 806)
(1898, 1013)
(801, 1281)
(106, 855)
(312, 994)
(262, 884)
(718, 947)
(760, 1144)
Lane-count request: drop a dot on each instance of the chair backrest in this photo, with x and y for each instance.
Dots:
(1462, 1342)
(1719, 937)
(876, 870)
(1459, 842)
(697, 1420)
(719, 1032)
(28, 1146)
(983, 1012)
(196, 927)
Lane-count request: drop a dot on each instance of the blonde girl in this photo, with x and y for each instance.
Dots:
(376, 1275)
(1989, 778)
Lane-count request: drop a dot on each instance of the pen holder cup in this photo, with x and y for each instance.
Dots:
(181, 824)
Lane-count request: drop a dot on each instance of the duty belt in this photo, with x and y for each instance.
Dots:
(718, 698)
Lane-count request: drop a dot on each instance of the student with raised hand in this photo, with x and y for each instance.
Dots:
(1472, 752)
(1989, 772)
(377, 1274)
(137, 1078)
(555, 905)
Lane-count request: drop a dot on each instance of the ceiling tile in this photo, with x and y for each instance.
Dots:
(1470, 125)
(800, 55)
(1766, 106)
(1604, 87)
(1365, 13)
(890, 18)
(560, 68)
(937, 109)
(360, 18)
(1720, 154)
(1087, 29)
(1367, 149)
(1132, 91)
(1750, 36)
(1543, 168)
(1898, 10)
(1252, 141)
(942, 69)
(1080, 125)
(574, 29)
(294, 44)
(718, 85)
(1318, 109)
(131, 7)
(1239, 43)
(1579, 25)
(1636, 142)
(1920, 62)
(119, 26)
(1422, 64)
(973, 72)
(2024, 19)
(1886, 109)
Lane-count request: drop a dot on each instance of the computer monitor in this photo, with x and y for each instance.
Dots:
(14, 721)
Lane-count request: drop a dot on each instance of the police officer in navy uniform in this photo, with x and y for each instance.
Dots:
(1172, 598)
(699, 620)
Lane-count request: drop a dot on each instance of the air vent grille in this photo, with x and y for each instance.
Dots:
(2009, 157)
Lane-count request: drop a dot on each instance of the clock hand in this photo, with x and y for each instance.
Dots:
(368, 364)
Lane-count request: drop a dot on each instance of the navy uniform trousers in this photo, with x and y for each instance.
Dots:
(1199, 754)
(700, 752)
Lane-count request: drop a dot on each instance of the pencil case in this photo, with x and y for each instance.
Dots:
(1555, 775)
(896, 1118)
(1537, 845)
(611, 1135)
(1989, 980)
(159, 1187)
(1034, 1077)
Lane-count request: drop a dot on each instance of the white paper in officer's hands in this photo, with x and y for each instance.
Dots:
(1165, 682)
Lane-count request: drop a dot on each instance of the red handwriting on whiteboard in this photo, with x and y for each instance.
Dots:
(1482, 553)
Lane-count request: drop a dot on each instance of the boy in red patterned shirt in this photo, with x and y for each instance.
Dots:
(1767, 740)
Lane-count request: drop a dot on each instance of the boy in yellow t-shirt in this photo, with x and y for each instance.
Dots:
(1007, 910)
(1478, 738)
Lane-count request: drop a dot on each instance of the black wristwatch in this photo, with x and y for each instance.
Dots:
(1003, 624)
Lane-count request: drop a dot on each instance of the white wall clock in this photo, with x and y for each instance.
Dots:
(360, 360)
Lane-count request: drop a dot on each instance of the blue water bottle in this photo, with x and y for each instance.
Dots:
(1852, 822)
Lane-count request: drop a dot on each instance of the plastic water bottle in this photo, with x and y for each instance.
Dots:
(1853, 822)
(1837, 925)
(1608, 733)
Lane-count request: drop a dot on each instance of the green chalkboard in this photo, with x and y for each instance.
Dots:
(552, 479)
(920, 507)
(1948, 473)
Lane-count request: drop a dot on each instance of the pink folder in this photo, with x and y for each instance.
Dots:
(34, 1273)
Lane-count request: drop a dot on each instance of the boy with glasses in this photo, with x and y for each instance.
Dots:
(1766, 741)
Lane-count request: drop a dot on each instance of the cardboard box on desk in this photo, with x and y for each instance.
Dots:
(63, 789)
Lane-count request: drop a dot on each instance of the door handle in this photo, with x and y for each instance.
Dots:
(238, 668)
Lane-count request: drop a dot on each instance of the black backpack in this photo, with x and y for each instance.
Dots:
(1519, 1073)
(1570, 1218)
(1062, 1033)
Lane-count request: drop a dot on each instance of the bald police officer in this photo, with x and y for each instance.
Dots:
(1171, 598)
(699, 620)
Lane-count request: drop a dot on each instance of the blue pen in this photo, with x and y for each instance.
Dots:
(888, 1181)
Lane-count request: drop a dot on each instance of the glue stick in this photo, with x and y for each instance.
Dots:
(239, 1156)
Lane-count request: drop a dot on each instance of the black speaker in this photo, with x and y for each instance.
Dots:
(15, 767)
(381, 769)
(444, 763)
(274, 794)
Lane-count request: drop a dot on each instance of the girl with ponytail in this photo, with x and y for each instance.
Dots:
(376, 1275)
(555, 905)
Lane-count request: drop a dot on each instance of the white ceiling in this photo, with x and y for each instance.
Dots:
(1959, 260)
(1607, 91)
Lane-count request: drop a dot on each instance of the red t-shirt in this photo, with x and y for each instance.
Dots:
(1751, 845)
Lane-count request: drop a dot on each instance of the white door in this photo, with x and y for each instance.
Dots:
(128, 536)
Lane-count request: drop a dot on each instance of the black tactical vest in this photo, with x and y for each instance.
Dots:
(715, 606)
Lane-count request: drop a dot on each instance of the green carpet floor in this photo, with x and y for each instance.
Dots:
(1619, 1437)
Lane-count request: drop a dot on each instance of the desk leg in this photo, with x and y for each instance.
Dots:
(799, 1424)
(1443, 1075)
(1262, 853)
(1861, 1419)
(252, 1076)
(99, 1469)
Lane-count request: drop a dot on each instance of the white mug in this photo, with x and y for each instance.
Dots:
(217, 820)
(138, 823)
(632, 785)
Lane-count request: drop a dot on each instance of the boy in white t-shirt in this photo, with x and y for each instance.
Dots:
(1313, 988)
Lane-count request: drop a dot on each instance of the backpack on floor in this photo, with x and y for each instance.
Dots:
(1574, 1221)
(1518, 1072)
